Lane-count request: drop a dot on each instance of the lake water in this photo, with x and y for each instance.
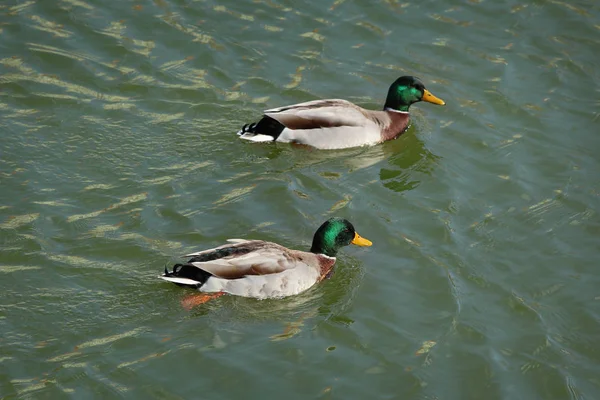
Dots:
(118, 154)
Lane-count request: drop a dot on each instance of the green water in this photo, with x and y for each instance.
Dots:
(118, 154)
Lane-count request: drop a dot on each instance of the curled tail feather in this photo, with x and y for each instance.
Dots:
(265, 130)
(186, 275)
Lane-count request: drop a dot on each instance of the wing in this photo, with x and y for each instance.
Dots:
(221, 251)
(233, 261)
(319, 114)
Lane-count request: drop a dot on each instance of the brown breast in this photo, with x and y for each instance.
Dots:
(395, 125)
(326, 264)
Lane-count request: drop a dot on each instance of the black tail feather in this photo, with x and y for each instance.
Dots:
(266, 126)
(188, 271)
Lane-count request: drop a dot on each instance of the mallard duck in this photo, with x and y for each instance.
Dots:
(339, 124)
(259, 269)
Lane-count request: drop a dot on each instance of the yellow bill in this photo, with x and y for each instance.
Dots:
(360, 241)
(428, 97)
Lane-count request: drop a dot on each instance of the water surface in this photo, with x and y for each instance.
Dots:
(118, 154)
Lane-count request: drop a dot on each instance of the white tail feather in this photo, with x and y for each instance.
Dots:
(256, 137)
(184, 281)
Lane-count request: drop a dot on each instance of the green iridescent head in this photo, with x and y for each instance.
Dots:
(406, 91)
(333, 234)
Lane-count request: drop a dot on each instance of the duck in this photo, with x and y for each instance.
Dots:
(261, 269)
(338, 124)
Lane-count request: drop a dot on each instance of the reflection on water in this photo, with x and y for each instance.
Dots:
(410, 158)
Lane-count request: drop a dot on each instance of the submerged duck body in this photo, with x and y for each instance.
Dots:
(260, 269)
(339, 124)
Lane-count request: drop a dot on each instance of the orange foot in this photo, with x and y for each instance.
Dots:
(194, 300)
